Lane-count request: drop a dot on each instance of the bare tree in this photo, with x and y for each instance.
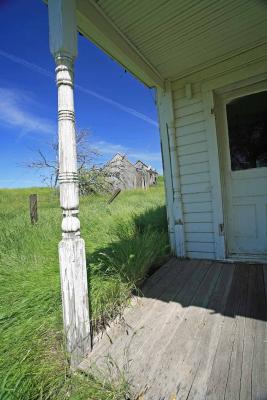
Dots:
(93, 177)
(48, 165)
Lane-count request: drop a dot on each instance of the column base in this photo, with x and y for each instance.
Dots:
(74, 290)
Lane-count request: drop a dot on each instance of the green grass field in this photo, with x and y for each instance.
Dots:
(124, 241)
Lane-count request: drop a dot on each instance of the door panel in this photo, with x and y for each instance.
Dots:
(240, 223)
(242, 121)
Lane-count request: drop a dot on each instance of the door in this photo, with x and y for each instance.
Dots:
(242, 121)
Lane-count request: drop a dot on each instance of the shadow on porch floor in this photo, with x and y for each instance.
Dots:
(198, 332)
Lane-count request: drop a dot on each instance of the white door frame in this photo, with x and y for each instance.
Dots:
(224, 152)
(210, 90)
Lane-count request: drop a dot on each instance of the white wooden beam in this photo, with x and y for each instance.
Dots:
(166, 163)
(63, 46)
(96, 26)
(175, 170)
(171, 170)
(215, 176)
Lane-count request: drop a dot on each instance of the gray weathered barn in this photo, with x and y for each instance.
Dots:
(122, 174)
(148, 174)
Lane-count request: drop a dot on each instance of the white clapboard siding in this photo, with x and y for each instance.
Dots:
(190, 198)
(199, 237)
(180, 102)
(193, 159)
(198, 217)
(196, 188)
(188, 109)
(191, 128)
(191, 169)
(196, 158)
(179, 95)
(201, 208)
(197, 227)
(189, 119)
(193, 138)
(195, 178)
(192, 148)
(200, 247)
(204, 206)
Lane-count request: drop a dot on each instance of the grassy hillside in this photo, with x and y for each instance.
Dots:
(123, 241)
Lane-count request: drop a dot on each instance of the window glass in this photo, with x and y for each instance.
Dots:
(247, 130)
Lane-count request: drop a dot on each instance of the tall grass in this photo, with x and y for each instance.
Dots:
(123, 241)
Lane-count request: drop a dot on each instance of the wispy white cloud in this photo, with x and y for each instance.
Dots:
(26, 64)
(114, 103)
(107, 150)
(13, 112)
(146, 156)
(36, 68)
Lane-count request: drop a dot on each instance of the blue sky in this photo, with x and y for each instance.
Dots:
(118, 110)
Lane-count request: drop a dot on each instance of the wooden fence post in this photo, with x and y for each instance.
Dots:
(113, 197)
(33, 208)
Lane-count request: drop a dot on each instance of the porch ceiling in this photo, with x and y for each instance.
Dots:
(172, 38)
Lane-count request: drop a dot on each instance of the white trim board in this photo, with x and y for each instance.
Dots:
(210, 90)
(214, 168)
(237, 79)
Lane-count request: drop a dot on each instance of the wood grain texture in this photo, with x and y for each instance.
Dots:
(73, 273)
(163, 114)
(198, 333)
(75, 298)
(33, 208)
(176, 181)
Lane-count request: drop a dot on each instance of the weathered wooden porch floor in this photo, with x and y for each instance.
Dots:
(199, 332)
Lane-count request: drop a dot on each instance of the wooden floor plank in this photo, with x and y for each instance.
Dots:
(195, 372)
(153, 285)
(259, 365)
(220, 369)
(179, 338)
(232, 391)
(157, 284)
(140, 319)
(199, 333)
(152, 341)
(249, 337)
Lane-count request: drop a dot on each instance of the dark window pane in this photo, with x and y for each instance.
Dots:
(247, 129)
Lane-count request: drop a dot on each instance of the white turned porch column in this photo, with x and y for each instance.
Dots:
(63, 46)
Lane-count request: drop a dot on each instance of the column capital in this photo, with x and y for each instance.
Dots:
(64, 59)
(62, 27)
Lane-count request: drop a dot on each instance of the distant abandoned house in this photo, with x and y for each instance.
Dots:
(122, 174)
(149, 175)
